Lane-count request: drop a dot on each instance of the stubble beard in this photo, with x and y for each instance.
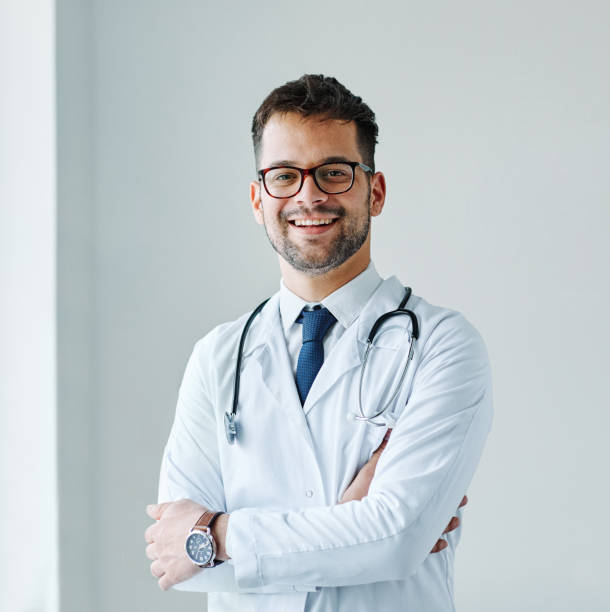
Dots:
(354, 232)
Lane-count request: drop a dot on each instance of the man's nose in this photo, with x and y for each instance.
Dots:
(310, 193)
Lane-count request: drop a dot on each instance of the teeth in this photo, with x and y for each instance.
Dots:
(313, 221)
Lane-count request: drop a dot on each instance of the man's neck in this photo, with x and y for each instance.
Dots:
(316, 288)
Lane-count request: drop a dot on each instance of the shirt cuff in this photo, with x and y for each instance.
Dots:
(240, 544)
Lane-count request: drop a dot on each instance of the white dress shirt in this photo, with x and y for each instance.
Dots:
(345, 304)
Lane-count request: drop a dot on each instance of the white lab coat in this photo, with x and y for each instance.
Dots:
(293, 547)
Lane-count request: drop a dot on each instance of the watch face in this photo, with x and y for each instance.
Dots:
(199, 548)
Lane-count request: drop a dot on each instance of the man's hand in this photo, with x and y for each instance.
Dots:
(454, 523)
(166, 540)
(359, 488)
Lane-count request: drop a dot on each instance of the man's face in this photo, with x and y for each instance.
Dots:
(305, 142)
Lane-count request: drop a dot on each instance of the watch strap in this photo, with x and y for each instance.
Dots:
(207, 519)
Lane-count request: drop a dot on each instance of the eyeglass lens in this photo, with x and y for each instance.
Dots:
(330, 178)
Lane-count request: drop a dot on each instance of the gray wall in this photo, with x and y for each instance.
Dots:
(495, 143)
(79, 453)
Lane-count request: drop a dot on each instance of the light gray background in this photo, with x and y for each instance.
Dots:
(494, 138)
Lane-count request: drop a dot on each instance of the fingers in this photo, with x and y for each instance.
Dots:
(149, 534)
(156, 569)
(384, 442)
(440, 545)
(151, 551)
(152, 511)
(454, 523)
(156, 510)
(165, 583)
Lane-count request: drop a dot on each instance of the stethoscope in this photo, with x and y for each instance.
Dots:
(230, 423)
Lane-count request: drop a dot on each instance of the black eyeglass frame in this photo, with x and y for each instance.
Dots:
(312, 171)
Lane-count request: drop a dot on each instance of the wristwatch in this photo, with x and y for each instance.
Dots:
(200, 545)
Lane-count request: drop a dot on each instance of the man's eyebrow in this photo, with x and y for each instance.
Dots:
(291, 162)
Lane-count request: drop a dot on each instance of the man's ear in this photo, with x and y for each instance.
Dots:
(377, 193)
(255, 200)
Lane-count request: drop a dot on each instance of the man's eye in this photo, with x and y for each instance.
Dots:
(283, 177)
(334, 174)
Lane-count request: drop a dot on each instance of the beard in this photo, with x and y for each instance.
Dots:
(315, 259)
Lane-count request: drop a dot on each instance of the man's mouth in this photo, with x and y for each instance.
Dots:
(313, 226)
(312, 222)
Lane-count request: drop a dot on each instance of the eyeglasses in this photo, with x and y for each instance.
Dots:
(331, 178)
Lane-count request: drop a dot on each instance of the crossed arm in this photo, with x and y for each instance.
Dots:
(166, 537)
(435, 448)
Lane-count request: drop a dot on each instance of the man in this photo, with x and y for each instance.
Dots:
(283, 507)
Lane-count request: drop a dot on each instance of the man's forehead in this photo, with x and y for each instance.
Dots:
(290, 136)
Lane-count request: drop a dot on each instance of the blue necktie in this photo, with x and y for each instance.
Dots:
(315, 325)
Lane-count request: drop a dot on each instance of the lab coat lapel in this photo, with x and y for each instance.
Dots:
(267, 352)
(348, 353)
(345, 356)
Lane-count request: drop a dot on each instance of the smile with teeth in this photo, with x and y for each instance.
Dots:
(301, 222)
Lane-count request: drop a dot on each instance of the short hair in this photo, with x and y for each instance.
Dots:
(316, 94)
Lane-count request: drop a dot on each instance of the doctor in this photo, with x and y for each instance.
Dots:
(303, 511)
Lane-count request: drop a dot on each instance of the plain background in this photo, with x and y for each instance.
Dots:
(29, 552)
(495, 142)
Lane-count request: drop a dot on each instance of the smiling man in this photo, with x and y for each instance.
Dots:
(322, 486)
(312, 229)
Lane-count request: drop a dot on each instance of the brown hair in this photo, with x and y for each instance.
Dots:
(316, 94)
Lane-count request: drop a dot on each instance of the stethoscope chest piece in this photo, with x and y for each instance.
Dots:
(230, 427)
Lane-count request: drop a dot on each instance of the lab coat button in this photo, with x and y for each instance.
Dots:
(309, 492)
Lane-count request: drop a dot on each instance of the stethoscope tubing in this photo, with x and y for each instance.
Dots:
(229, 418)
(230, 424)
(401, 310)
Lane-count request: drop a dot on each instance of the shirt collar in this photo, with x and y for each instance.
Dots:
(345, 304)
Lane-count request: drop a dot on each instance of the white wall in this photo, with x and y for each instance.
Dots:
(495, 143)
(28, 475)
